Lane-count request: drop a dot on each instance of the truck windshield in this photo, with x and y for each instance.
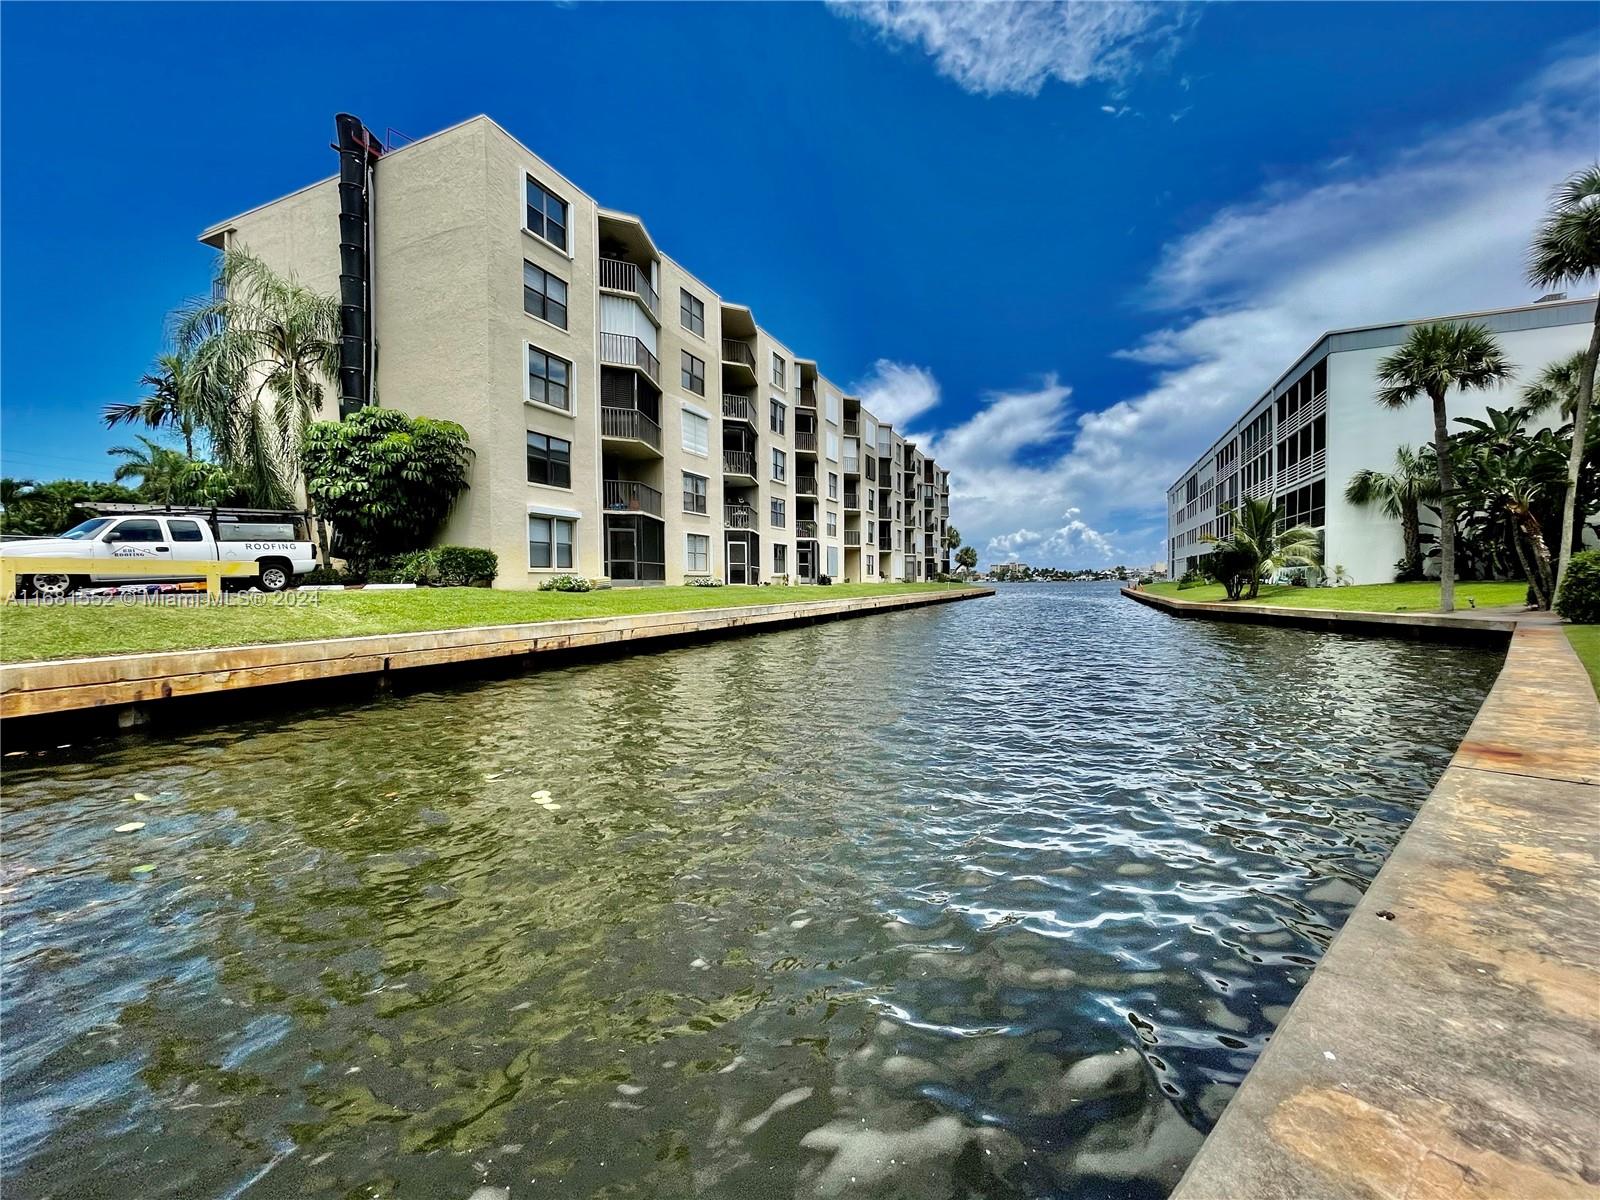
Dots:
(85, 531)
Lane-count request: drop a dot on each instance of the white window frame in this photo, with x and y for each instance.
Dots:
(549, 275)
(695, 512)
(688, 555)
(833, 485)
(831, 444)
(552, 514)
(780, 466)
(683, 436)
(780, 371)
(690, 329)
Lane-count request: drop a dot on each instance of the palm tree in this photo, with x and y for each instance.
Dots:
(12, 490)
(159, 469)
(1436, 357)
(967, 559)
(170, 403)
(1566, 249)
(263, 350)
(1255, 544)
(1399, 495)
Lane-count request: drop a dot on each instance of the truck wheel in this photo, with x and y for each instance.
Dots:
(276, 575)
(53, 587)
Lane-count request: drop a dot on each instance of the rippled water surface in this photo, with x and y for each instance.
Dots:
(999, 899)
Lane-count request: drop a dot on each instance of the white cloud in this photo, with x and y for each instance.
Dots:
(997, 46)
(897, 392)
(1439, 228)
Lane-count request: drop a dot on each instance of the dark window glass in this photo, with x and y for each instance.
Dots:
(184, 531)
(549, 460)
(694, 374)
(780, 515)
(780, 560)
(547, 215)
(137, 531)
(694, 493)
(549, 379)
(550, 542)
(691, 312)
(779, 413)
(544, 295)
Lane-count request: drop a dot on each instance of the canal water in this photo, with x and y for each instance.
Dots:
(999, 899)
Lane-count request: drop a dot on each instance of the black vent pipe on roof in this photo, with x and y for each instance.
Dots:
(358, 151)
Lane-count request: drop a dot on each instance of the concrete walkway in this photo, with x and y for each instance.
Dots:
(1448, 1044)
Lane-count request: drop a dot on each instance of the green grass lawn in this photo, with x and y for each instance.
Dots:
(1585, 640)
(1371, 597)
(29, 633)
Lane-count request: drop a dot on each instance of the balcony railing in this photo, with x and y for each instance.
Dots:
(625, 350)
(808, 396)
(852, 537)
(852, 428)
(738, 462)
(852, 499)
(739, 516)
(630, 423)
(805, 441)
(619, 276)
(627, 495)
(806, 530)
(739, 408)
(735, 351)
(805, 485)
(852, 466)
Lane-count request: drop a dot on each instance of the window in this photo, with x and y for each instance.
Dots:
(778, 462)
(694, 374)
(141, 530)
(544, 295)
(549, 460)
(697, 556)
(872, 565)
(833, 446)
(692, 313)
(549, 379)
(696, 432)
(833, 485)
(833, 562)
(779, 413)
(780, 560)
(833, 406)
(550, 542)
(780, 513)
(833, 524)
(694, 493)
(547, 215)
(184, 531)
(779, 371)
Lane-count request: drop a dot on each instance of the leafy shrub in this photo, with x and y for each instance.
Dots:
(324, 575)
(566, 583)
(1579, 601)
(463, 566)
(1191, 578)
(420, 567)
(1408, 570)
(385, 575)
(703, 581)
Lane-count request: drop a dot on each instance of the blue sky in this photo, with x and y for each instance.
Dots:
(1061, 245)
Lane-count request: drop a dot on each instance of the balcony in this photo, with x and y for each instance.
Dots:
(808, 396)
(852, 427)
(805, 485)
(805, 442)
(739, 516)
(630, 425)
(740, 464)
(852, 500)
(852, 537)
(625, 350)
(852, 466)
(628, 495)
(626, 277)
(739, 362)
(739, 408)
(806, 531)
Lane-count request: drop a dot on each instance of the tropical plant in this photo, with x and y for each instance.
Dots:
(13, 491)
(1399, 494)
(463, 566)
(967, 559)
(1255, 544)
(42, 509)
(1436, 357)
(261, 352)
(386, 481)
(1579, 598)
(1566, 250)
(170, 404)
(952, 537)
(1557, 387)
(1228, 565)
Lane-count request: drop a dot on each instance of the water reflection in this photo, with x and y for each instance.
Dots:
(997, 900)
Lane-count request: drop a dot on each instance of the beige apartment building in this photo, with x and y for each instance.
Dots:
(628, 423)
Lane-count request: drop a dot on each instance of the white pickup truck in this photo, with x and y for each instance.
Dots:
(276, 541)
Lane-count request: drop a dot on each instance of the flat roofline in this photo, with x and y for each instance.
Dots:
(1311, 352)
